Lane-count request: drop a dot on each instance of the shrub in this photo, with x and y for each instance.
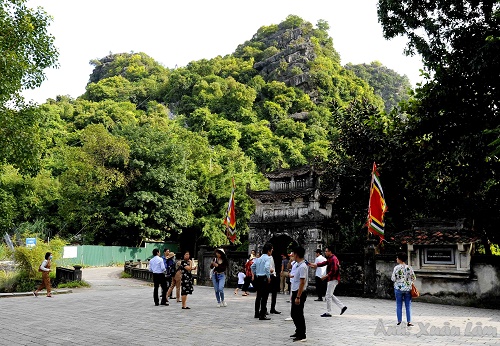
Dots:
(24, 283)
(30, 258)
(74, 284)
(125, 275)
(5, 253)
(7, 281)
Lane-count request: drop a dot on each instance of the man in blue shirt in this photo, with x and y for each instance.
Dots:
(261, 268)
(157, 267)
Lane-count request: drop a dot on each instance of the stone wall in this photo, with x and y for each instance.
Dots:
(481, 289)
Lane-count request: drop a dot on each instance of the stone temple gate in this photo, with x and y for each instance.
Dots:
(294, 211)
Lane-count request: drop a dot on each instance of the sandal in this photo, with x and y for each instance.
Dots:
(187, 307)
(244, 294)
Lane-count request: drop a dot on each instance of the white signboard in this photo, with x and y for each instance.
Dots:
(70, 252)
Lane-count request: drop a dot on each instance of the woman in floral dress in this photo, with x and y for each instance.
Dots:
(187, 279)
(403, 277)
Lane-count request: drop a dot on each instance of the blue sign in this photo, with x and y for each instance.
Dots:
(30, 242)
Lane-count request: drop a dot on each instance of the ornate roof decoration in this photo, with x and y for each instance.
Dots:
(437, 232)
(290, 194)
(293, 172)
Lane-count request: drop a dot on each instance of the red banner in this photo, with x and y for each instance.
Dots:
(376, 206)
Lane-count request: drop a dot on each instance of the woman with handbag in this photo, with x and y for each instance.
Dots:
(186, 279)
(45, 269)
(219, 266)
(403, 277)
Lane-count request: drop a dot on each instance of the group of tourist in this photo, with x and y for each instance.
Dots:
(170, 274)
(260, 270)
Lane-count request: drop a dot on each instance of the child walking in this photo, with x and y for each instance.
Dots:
(241, 280)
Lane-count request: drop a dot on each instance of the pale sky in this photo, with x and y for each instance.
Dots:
(177, 32)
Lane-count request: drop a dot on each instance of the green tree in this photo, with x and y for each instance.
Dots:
(89, 175)
(458, 42)
(26, 48)
(386, 83)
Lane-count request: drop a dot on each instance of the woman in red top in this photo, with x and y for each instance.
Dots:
(248, 274)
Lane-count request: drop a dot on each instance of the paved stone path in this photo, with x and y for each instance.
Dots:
(118, 311)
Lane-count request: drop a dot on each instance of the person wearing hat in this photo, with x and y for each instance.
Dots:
(219, 265)
(168, 261)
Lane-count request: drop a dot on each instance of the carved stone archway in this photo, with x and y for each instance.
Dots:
(295, 207)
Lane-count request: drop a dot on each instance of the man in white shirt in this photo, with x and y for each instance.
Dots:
(320, 272)
(299, 294)
(157, 267)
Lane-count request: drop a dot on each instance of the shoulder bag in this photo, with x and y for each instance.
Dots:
(414, 291)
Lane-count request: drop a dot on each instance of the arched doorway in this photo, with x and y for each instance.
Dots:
(282, 244)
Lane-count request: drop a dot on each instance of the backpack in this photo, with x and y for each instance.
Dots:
(170, 270)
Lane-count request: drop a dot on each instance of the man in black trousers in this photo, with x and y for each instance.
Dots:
(157, 267)
(261, 268)
(299, 295)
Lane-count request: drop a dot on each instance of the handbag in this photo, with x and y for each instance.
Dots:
(414, 291)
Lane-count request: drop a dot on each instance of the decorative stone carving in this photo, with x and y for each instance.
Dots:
(292, 209)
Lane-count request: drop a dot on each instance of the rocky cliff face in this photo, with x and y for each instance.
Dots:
(290, 63)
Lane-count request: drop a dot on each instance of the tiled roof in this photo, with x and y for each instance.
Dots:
(436, 236)
(293, 172)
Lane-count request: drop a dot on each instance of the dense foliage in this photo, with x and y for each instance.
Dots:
(450, 168)
(26, 49)
(149, 153)
(386, 83)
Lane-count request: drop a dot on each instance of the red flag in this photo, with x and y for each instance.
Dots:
(376, 206)
(230, 219)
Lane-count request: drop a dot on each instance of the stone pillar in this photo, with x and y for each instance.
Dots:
(202, 272)
(370, 280)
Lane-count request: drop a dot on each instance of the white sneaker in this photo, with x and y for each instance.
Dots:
(288, 319)
(223, 304)
(219, 305)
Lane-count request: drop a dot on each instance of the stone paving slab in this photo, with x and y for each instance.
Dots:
(121, 312)
(30, 294)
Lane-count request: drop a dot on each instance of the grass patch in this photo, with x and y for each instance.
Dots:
(124, 275)
(74, 284)
(8, 281)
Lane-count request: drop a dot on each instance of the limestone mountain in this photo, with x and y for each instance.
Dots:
(301, 55)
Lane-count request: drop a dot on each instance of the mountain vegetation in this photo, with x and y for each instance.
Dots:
(148, 153)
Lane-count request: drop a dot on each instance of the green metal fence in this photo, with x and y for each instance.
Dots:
(100, 256)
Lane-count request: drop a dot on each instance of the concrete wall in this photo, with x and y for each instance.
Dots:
(481, 289)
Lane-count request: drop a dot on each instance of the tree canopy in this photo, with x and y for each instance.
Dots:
(148, 153)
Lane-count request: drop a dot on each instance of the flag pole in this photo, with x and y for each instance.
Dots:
(369, 201)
